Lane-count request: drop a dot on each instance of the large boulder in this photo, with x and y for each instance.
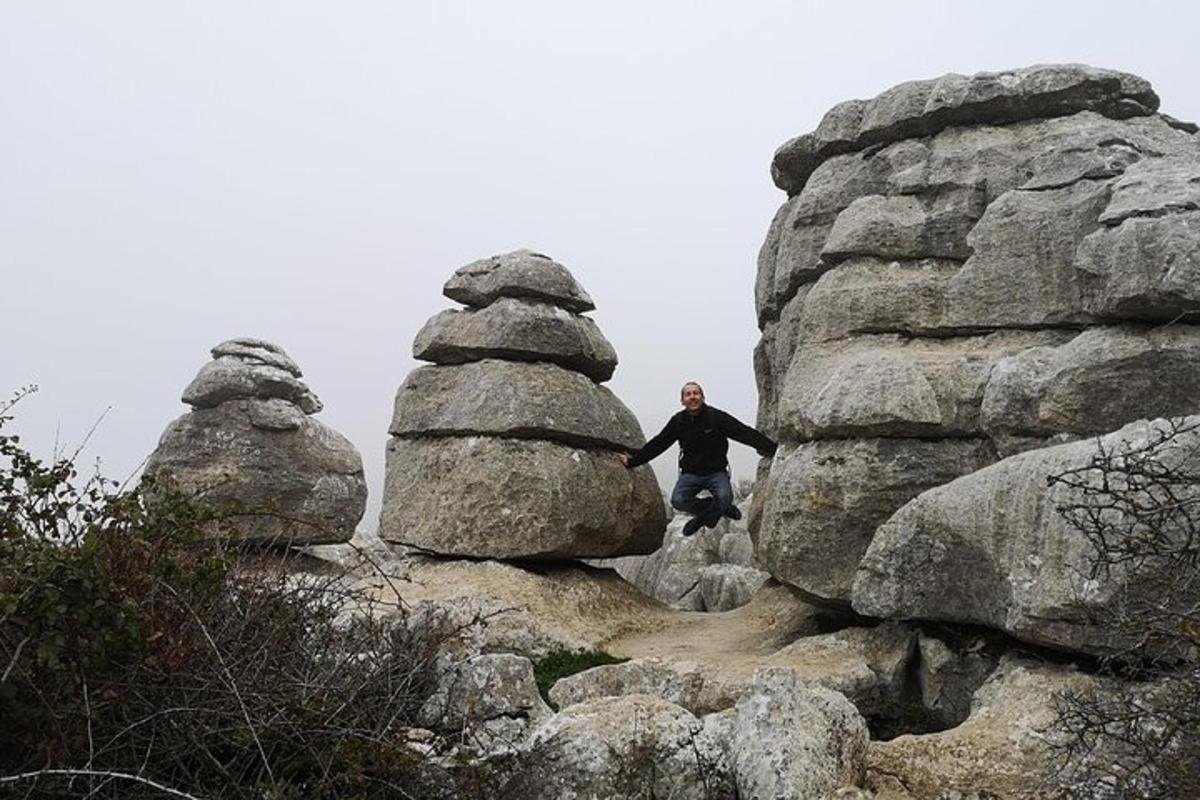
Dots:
(923, 108)
(520, 330)
(250, 449)
(508, 448)
(626, 747)
(995, 548)
(512, 399)
(493, 497)
(824, 500)
(521, 273)
(796, 740)
(491, 701)
(975, 266)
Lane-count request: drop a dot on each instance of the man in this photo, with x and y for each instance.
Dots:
(703, 433)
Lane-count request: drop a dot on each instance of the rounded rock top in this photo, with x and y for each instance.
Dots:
(923, 108)
(521, 273)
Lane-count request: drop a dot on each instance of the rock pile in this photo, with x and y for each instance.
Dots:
(966, 268)
(251, 443)
(505, 448)
(713, 570)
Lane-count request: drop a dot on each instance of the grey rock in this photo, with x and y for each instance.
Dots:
(521, 330)
(991, 549)
(694, 688)
(969, 166)
(1100, 380)
(491, 701)
(948, 678)
(504, 398)
(737, 547)
(625, 747)
(1154, 187)
(923, 108)
(765, 297)
(890, 385)
(1146, 269)
(490, 497)
(796, 740)
(1022, 273)
(824, 500)
(256, 456)
(232, 377)
(870, 295)
(724, 587)
(905, 227)
(772, 355)
(258, 351)
(521, 273)
(671, 574)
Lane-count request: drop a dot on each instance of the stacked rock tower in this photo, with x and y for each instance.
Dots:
(506, 447)
(966, 268)
(250, 443)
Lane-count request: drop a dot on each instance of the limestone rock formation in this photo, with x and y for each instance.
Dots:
(251, 445)
(505, 448)
(626, 747)
(796, 740)
(992, 548)
(1005, 748)
(490, 700)
(965, 268)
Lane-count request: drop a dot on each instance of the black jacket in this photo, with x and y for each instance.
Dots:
(703, 440)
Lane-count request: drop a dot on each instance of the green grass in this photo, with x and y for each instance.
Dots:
(561, 663)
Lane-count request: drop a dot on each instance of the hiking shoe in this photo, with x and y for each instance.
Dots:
(692, 525)
(733, 512)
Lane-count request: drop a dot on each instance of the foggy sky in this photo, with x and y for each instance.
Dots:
(176, 174)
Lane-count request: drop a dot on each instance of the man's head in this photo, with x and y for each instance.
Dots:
(692, 397)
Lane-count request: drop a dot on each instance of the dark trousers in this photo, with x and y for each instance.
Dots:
(708, 509)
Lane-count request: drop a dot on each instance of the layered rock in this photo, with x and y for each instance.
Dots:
(965, 268)
(506, 447)
(251, 448)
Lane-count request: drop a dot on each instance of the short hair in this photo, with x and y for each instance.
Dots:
(683, 388)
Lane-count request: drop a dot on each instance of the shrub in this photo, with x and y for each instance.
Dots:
(1137, 732)
(142, 658)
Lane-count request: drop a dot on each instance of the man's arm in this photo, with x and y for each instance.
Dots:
(735, 429)
(655, 447)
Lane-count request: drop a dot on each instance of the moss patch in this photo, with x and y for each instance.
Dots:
(561, 663)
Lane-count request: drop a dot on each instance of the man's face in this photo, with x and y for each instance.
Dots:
(692, 398)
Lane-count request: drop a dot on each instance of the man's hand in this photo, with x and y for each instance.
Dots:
(623, 458)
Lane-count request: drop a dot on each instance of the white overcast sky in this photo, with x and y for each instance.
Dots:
(174, 174)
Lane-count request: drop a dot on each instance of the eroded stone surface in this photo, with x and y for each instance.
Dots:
(521, 273)
(506, 398)
(796, 740)
(489, 497)
(921, 108)
(824, 500)
(305, 480)
(520, 330)
(991, 548)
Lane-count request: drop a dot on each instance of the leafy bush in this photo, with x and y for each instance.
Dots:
(139, 657)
